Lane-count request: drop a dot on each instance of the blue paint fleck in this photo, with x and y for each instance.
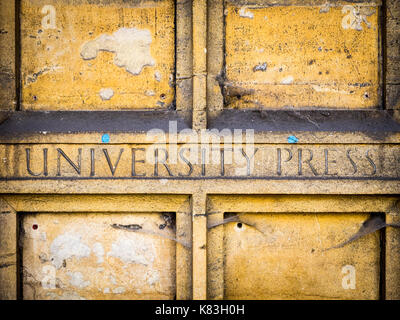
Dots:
(105, 138)
(292, 139)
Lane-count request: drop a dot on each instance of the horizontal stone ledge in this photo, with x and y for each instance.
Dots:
(270, 126)
(212, 186)
(306, 3)
(232, 178)
(52, 122)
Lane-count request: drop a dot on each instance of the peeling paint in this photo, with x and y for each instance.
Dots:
(326, 7)
(134, 250)
(326, 89)
(98, 250)
(118, 259)
(152, 277)
(65, 296)
(130, 45)
(311, 47)
(43, 236)
(67, 246)
(106, 94)
(244, 13)
(157, 76)
(119, 290)
(163, 181)
(76, 280)
(106, 290)
(112, 279)
(356, 16)
(287, 80)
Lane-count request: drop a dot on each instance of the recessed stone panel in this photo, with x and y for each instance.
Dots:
(304, 56)
(97, 55)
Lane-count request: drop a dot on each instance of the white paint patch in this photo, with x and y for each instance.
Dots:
(106, 94)
(326, 7)
(246, 14)
(152, 277)
(130, 45)
(38, 235)
(157, 76)
(65, 296)
(355, 17)
(150, 93)
(326, 90)
(119, 290)
(106, 290)
(43, 236)
(67, 246)
(131, 250)
(287, 80)
(98, 250)
(76, 280)
(49, 277)
(113, 280)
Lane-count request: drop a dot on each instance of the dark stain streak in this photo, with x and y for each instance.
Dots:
(361, 85)
(36, 75)
(237, 92)
(6, 76)
(6, 265)
(348, 55)
(232, 218)
(7, 255)
(137, 228)
(169, 221)
(200, 215)
(128, 227)
(369, 226)
(27, 122)
(260, 67)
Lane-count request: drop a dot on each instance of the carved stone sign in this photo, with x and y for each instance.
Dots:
(196, 161)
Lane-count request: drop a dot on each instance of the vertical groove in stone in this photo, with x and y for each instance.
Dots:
(199, 64)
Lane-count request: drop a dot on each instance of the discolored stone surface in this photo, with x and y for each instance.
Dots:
(83, 48)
